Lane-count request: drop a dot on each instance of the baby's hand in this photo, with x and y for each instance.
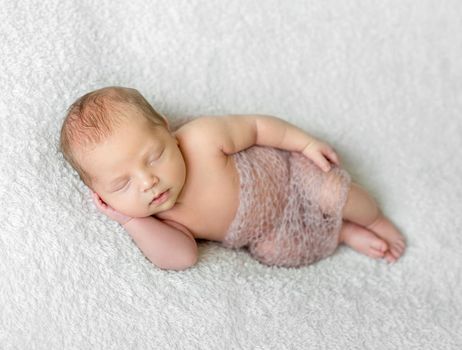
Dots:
(321, 153)
(109, 211)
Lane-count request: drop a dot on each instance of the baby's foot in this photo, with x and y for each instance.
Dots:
(386, 230)
(362, 240)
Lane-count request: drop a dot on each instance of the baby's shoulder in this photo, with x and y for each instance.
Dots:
(200, 124)
(202, 133)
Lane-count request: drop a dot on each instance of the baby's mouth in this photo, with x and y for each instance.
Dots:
(159, 196)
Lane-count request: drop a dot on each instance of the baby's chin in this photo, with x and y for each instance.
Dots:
(164, 207)
(147, 213)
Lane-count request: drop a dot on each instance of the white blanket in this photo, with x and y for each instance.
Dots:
(379, 80)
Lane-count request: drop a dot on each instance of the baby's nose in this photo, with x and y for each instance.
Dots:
(149, 181)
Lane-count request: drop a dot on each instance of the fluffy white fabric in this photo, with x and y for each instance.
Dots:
(379, 80)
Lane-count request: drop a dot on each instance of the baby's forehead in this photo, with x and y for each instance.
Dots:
(82, 152)
(90, 160)
(142, 138)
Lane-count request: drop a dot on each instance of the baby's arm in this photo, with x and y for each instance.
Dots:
(234, 133)
(165, 246)
(168, 246)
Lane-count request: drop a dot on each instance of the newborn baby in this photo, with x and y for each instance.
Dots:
(247, 181)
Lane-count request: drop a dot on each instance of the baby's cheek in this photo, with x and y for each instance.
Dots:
(119, 205)
(135, 209)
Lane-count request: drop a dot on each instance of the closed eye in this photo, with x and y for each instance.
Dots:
(125, 186)
(153, 159)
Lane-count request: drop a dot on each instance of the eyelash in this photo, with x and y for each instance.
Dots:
(124, 186)
(156, 158)
(150, 163)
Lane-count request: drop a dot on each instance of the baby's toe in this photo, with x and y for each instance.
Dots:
(379, 245)
(396, 250)
(402, 247)
(401, 244)
(389, 257)
(374, 253)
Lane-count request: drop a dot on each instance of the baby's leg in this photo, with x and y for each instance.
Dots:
(361, 209)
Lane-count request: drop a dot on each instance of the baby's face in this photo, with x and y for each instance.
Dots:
(138, 162)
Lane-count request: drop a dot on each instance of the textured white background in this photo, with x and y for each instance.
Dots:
(380, 80)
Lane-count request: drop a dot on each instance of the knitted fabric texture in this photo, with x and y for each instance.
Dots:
(290, 211)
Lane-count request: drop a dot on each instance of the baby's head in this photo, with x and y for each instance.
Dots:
(123, 150)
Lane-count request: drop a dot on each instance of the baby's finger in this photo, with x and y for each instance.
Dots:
(330, 154)
(98, 201)
(321, 161)
(333, 156)
(95, 197)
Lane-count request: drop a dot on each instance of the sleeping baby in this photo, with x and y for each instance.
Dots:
(246, 181)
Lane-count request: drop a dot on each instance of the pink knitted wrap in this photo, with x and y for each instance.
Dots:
(290, 211)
